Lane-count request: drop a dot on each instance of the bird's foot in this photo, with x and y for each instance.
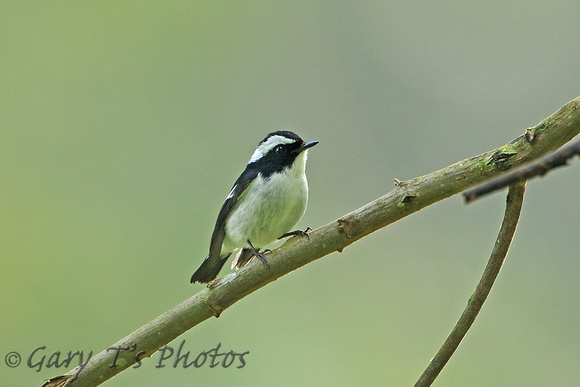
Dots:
(297, 233)
(259, 255)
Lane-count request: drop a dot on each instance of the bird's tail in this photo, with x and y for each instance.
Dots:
(208, 270)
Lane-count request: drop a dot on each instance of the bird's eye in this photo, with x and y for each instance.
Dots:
(280, 150)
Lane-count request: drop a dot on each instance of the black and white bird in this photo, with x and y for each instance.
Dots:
(265, 203)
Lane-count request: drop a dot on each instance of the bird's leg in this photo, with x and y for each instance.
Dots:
(258, 254)
(297, 233)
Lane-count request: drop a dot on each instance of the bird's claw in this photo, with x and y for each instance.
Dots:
(297, 233)
(260, 255)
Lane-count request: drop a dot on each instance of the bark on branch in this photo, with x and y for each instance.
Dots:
(537, 168)
(407, 198)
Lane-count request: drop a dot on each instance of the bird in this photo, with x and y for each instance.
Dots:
(265, 203)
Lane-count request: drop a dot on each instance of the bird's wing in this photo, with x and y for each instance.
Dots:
(219, 231)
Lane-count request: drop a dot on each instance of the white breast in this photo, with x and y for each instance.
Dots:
(269, 208)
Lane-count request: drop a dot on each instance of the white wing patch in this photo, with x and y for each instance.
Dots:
(231, 194)
(268, 145)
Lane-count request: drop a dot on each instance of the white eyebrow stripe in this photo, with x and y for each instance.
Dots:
(268, 145)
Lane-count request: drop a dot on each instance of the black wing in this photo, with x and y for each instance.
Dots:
(219, 232)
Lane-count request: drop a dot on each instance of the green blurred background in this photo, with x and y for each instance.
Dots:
(124, 125)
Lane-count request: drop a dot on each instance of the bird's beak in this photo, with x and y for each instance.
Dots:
(306, 145)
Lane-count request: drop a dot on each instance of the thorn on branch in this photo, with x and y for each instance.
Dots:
(400, 183)
(530, 135)
(345, 227)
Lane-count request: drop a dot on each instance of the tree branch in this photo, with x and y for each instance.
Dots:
(557, 159)
(513, 208)
(407, 198)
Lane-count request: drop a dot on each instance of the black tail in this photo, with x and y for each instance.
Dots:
(208, 270)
